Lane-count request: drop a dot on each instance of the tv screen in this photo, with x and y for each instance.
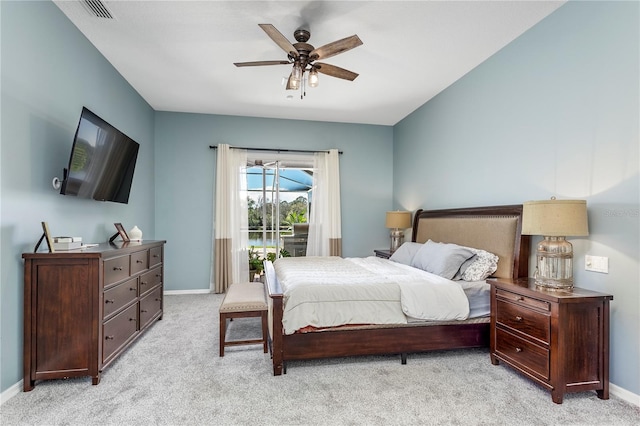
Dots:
(102, 161)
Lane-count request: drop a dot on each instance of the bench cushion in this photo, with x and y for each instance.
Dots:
(242, 297)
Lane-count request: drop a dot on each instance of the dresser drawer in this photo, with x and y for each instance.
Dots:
(525, 320)
(116, 269)
(139, 261)
(150, 279)
(528, 301)
(524, 354)
(150, 306)
(118, 330)
(119, 296)
(155, 256)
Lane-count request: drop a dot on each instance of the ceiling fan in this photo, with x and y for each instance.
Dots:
(303, 57)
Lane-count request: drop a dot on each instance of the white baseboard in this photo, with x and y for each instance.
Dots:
(175, 292)
(624, 394)
(11, 392)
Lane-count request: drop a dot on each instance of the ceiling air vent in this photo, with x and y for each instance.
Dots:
(97, 8)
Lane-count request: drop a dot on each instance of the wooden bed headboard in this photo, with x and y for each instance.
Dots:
(496, 229)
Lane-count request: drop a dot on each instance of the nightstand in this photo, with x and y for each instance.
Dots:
(385, 254)
(559, 339)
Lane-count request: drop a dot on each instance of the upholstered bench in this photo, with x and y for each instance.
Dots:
(243, 300)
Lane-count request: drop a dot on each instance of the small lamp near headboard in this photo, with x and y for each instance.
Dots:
(555, 220)
(397, 221)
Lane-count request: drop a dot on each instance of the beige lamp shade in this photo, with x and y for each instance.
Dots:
(555, 218)
(398, 220)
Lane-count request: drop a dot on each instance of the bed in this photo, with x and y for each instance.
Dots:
(496, 229)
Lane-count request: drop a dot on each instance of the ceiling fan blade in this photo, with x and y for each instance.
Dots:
(332, 49)
(260, 63)
(334, 71)
(279, 39)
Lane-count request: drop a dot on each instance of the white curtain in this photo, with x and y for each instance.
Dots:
(325, 235)
(230, 263)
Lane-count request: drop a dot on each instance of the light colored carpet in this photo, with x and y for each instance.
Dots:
(174, 376)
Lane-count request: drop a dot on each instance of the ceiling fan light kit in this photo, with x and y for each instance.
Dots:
(302, 56)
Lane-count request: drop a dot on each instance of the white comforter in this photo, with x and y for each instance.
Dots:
(332, 291)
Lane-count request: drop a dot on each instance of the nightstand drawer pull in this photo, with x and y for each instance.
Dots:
(109, 338)
(117, 268)
(518, 349)
(520, 299)
(518, 318)
(109, 301)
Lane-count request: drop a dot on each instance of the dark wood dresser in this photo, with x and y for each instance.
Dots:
(83, 308)
(559, 339)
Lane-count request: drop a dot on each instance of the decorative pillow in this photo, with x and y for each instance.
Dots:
(484, 264)
(406, 252)
(441, 258)
(464, 266)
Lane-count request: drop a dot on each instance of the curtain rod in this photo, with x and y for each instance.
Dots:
(271, 149)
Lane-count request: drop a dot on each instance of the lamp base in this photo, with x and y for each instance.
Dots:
(397, 238)
(554, 264)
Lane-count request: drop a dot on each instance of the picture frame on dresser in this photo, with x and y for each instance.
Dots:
(45, 235)
(121, 233)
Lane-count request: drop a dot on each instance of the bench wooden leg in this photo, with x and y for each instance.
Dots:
(223, 329)
(265, 331)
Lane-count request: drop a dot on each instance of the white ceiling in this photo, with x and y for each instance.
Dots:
(179, 54)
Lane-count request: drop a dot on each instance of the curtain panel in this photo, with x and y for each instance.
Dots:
(325, 225)
(230, 261)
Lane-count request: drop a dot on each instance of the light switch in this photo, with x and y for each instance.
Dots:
(596, 264)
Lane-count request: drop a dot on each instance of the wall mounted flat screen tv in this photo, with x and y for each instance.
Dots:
(102, 161)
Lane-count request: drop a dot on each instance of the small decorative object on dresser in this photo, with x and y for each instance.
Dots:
(83, 308)
(135, 234)
(559, 339)
(383, 253)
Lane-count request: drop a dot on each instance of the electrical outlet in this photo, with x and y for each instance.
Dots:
(596, 264)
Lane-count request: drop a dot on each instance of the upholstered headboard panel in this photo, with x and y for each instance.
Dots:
(496, 229)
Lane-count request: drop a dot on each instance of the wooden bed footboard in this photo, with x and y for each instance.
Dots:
(409, 338)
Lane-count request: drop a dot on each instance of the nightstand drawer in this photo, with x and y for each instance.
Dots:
(528, 301)
(526, 355)
(525, 320)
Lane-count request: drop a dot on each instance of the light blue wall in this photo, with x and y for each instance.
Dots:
(554, 113)
(49, 72)
(185, 170)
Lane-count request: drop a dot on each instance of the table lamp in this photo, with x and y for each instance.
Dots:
(555, 220)
(397, 221)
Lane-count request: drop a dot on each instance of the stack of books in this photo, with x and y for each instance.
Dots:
(67, 243)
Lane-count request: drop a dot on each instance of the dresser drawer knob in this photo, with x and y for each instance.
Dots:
(143, 311)
(109, 338)
(109, 301)
(518, 349)
(518, 318)
(143, 283)
(158, 275)
(132, 289)
(155, 255)
(132, 319)
(520, 299)
(117, 268)
(158, 299)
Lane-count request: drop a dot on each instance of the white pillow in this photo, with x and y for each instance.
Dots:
(441, 258)
(406, 252)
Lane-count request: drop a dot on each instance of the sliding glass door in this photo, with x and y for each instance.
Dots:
(279, 192)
